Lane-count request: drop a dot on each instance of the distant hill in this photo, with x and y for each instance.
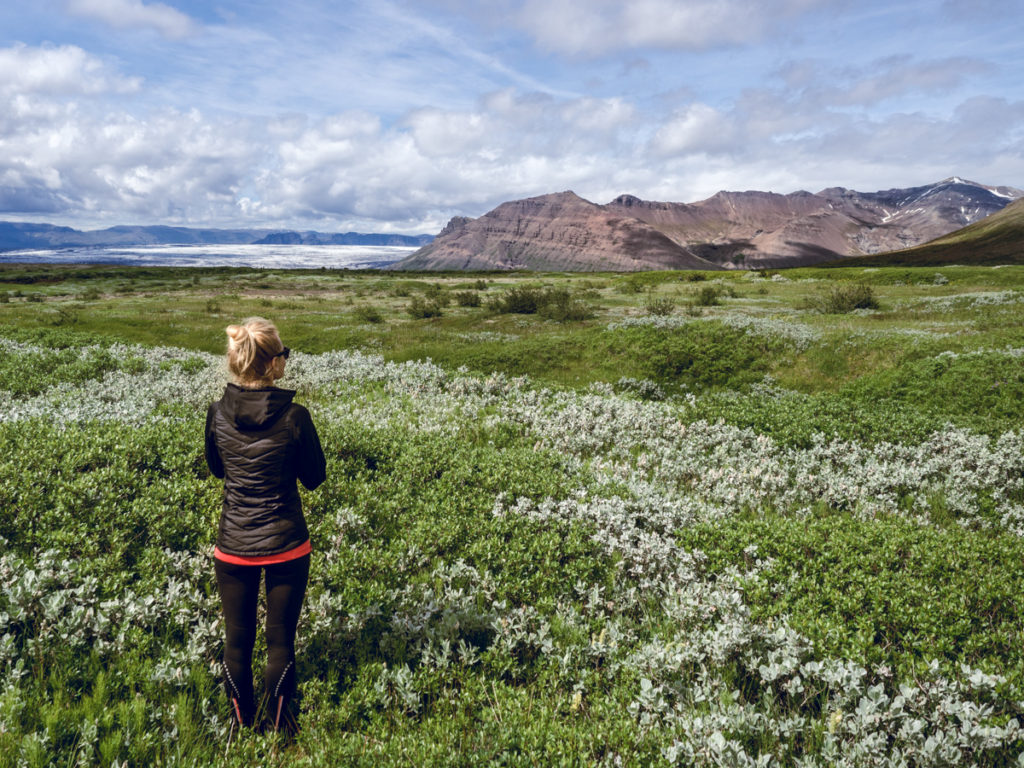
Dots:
(728, 230)
(998, 239)
(347, 238)
(17, 236)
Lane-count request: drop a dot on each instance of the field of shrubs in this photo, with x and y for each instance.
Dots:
(624, 520)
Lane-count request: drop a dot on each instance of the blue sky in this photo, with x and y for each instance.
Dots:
(393, 115)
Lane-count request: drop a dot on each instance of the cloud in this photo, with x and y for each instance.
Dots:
(438, 132)
(436, 162)
(63, 70)
(134, 14)
(597, 27)
(352, 171)
(695, 129)
(884, 79)
(67, 152)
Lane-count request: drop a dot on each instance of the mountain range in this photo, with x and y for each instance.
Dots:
(16, 236)
(726, 231)
(729, 230)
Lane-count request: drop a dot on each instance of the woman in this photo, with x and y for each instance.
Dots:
(260, 442)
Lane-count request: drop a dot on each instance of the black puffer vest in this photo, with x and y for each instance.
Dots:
(260, 442)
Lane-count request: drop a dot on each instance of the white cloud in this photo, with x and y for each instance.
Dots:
(134, 14)
(599, 116)
(439, 132)
(66, 152)
(350, 171)
(63, 70)
(595, 27)
(697, 128)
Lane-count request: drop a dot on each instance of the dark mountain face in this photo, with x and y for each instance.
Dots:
(729, 229)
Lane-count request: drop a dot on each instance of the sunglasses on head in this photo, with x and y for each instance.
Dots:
(284, 353)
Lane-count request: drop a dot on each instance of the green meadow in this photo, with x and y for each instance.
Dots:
(667, 518)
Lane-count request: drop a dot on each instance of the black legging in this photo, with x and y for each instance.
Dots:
(239, 587)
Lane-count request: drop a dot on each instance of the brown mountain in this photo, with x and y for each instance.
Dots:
(762, 229)
(728, 230)
(553, 232)
(998, 239)
(747, 229)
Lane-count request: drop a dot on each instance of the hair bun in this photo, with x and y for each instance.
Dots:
(237, 333)
(252, 346)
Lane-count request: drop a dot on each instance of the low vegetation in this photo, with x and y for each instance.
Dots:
(754, 533)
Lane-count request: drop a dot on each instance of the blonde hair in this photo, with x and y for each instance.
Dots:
(252, 346)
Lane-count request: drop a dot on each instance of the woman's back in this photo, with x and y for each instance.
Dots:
(260, 442)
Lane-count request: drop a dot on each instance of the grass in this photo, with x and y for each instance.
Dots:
(550, 326)
(415, 561)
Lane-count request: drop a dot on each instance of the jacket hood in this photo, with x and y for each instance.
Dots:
(254, 408)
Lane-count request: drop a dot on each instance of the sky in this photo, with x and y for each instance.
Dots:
(395, 115)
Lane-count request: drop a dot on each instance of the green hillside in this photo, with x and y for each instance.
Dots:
(996, 239)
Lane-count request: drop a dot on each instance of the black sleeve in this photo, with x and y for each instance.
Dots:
(213, 459)
(310, 464)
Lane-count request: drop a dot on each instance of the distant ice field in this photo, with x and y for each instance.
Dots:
(267, 256)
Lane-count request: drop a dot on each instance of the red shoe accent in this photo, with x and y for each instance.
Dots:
(277, 720)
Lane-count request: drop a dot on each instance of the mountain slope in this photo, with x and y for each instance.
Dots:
(552, 232)
(998, 239)
(748, 229)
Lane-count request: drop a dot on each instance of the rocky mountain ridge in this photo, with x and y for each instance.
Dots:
(552, 232)
(727, 230)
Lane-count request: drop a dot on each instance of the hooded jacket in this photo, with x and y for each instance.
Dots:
(260, 442)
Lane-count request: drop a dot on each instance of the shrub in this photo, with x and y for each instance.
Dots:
(518, 300)
(707, 296)
(844, 298)
(436, 294)
(551, 303)
(65, 316)
(695, 277)
(419, 309)
(369, 314)
(706, 354)
(641, 388)
(880, 590)
(560, 305)
(480, 285)
(659, 306)
(467, 298)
